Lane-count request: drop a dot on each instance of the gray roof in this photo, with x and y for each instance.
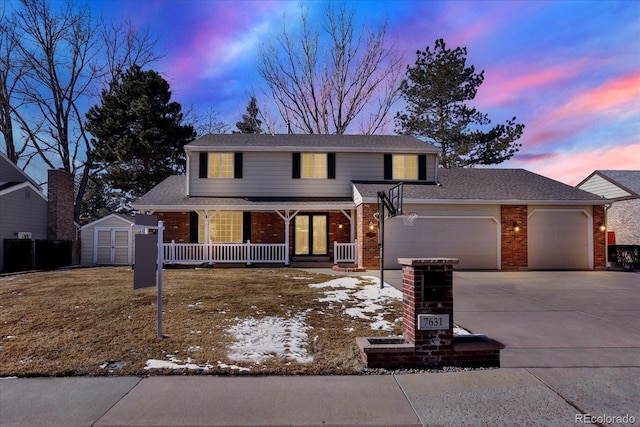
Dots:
(460, 185)
(626, 179)
(488, 185)
(304, 142)
(170, 194)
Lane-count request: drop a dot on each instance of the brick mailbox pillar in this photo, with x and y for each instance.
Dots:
(427, 339)
(427, 321)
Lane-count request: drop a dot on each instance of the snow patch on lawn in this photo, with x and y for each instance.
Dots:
(270, 337)
(371, 302)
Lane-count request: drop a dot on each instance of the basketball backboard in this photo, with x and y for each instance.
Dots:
(395, 199)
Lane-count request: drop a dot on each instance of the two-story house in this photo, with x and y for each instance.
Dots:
(315, 198)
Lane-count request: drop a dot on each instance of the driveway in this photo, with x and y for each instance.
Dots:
(554, 319)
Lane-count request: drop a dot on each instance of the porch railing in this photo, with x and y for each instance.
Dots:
(345, 252)
(249, 253)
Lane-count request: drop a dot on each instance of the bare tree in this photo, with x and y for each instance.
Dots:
(11, 72)
(324, 89)
(206, 122)
(125, 46)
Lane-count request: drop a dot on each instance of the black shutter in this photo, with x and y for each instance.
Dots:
(237, 165)
(246, 226)
(193, 227)
(331, 165)
(204, 164)
(295, 174)
(422, 167)
(388, 166)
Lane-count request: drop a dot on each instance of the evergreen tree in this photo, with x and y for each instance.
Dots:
(139, 131)
(437, 90)
(250, 122)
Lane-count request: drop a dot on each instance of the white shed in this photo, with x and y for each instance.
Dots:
(107, 241)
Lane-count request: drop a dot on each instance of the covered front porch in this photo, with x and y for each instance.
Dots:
(250, 231)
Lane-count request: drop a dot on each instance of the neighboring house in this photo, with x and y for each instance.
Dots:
(107, 241)
(23, 207)
(623, 188)
(300, 198)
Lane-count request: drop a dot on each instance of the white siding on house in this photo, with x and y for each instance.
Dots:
(270, 173)
(600, 186)
(22, 210)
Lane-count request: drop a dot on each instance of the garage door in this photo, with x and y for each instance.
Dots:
(558, 240)
(472, 240)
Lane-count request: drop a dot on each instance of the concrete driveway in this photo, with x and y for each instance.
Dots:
(554, 319)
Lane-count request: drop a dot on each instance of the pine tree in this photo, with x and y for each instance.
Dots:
(250, 122)
(139, 131)
(437, 91)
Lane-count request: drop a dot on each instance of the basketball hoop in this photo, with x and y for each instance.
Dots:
(409, 217)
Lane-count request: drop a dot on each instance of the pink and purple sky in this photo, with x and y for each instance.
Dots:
(568, 70)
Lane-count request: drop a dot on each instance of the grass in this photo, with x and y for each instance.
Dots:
(73, 322)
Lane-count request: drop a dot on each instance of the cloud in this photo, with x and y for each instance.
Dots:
(619, 97)
(503, 86)
(571, 167)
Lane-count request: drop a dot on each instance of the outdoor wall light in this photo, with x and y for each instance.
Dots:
(516, 227)
(340, 226)
(371, 226)
(601, 226)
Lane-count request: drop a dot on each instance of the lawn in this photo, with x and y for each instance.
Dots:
(218, 321)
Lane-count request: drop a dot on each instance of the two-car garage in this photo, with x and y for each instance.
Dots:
(556, 238)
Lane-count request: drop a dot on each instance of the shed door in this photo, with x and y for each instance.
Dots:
(558, 240)
(112, 246)
(474, 241)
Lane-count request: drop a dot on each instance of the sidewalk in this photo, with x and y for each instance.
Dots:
(506, 397)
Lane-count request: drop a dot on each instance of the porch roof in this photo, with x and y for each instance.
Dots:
(168, 196)
(493, 186)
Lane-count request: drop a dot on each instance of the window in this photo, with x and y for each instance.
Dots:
(224, 227)
(405, 166)
(314, 165)
(220, 165)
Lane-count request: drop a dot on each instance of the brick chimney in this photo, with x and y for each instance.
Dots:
(60, 205)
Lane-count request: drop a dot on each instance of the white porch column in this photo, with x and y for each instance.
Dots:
(287, 217)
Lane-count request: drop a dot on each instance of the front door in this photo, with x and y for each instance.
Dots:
(311, 234)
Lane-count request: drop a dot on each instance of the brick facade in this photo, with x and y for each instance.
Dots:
(514, 243)
(599, 238)
(368, 250)
(176, 226)
(60, 205)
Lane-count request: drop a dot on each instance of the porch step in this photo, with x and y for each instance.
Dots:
(310, 264)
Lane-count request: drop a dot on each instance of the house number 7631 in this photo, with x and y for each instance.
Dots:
(428, 322)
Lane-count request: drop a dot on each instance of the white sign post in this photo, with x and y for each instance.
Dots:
(146, 261)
